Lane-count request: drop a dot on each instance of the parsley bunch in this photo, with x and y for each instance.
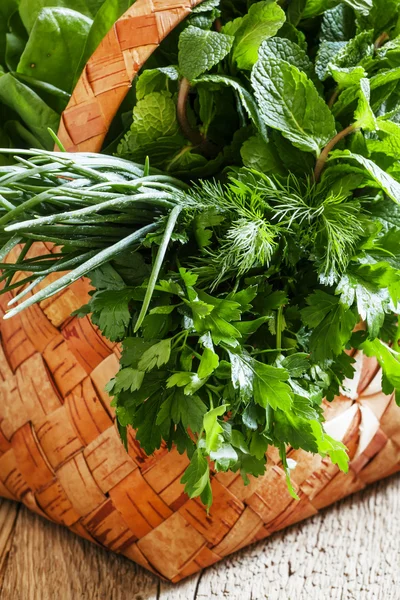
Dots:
(239, 298)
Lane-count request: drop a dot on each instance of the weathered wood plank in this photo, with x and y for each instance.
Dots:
(8, 518)
(350, 551)
(47, 562)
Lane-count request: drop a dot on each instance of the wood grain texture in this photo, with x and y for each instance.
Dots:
(350, 551)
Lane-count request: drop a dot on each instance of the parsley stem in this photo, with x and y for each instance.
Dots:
(319, 167)
(279, 326)
(256, 352)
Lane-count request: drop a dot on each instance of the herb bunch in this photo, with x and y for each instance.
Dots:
(237, 300)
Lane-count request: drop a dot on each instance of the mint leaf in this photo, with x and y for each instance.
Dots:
(200, 50)
(356, 50)
(327, 52)
(383, 179)
(338, 24)
(364, 117)
(155, 80)
(316, 7)
(262, 21)
(389, 139)
(154, 117)
(283, 49)
(247, 99)
(260, 155)
(347, 76)
(289, 102)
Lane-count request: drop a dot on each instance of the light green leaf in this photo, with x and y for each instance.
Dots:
(347, 76)
(383, 179)
(30, 9)
(156, 356)
(200, 50)
(289, 102)
(389, 139)
(336, 451)
(213, 428)
(367, 286)
(388, 359)
(209, 362)
(155, 80)
(197, 475)
(153, 117)
(266, 383)
(261, 156)
(364, 117)
(128, 379)
(261, 22)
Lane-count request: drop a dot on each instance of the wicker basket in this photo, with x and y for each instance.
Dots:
(60, 451)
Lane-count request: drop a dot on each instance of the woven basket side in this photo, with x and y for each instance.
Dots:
(108, 75)
(60, 453)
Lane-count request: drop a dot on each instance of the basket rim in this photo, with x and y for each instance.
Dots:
(108, 74)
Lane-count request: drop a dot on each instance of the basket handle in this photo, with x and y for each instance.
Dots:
(109, 73)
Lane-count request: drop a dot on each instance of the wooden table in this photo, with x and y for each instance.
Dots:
(350, 551)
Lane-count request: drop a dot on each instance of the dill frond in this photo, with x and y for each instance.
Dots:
(248, 244)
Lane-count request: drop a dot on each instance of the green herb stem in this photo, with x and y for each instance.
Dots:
(158, 264)
(99, 259)
(319, 167)
(183, 98)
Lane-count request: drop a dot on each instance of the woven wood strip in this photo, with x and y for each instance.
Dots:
(60, 453)
(108, 74)
(59, 449)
